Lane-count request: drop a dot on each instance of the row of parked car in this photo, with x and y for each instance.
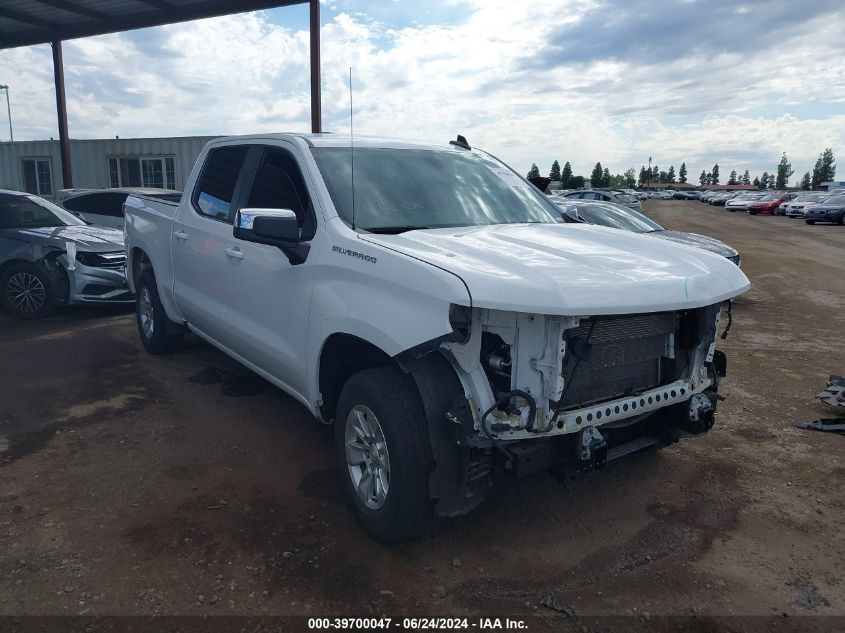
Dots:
(813, 206)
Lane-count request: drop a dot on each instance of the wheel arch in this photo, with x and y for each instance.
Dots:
(341, 356)
(140, 262)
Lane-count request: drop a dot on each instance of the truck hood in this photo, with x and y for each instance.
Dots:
(701, 241)
(572, 269)
(92, 239)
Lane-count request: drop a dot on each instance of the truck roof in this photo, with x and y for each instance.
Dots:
(340, 140)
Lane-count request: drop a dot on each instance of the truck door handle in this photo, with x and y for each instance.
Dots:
(180, 235)
(235, 253)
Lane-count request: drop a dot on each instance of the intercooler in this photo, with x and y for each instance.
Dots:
(623, 356)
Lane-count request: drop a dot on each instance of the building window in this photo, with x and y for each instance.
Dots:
(38, 176)
(158, 172)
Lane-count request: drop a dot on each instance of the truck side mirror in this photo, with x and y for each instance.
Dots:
(266, 226)
(274, 227)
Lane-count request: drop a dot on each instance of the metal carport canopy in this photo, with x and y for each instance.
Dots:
(28, 22)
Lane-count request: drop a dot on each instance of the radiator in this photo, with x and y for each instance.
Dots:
(624, 358)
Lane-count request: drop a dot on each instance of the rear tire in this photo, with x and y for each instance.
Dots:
(27, 292)
(810, 221)
(381, 422)
(153, 323)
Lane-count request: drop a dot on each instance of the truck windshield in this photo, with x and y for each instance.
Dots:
(31, 212)
(404, 189)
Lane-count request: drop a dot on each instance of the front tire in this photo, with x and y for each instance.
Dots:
(27, 292)
(810, 221)
(384, 454)
(153, 323)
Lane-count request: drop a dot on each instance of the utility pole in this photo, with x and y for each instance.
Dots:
(9, 110)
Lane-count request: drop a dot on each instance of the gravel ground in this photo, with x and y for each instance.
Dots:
(187, 485)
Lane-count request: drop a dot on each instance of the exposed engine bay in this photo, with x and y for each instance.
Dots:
(532, 375)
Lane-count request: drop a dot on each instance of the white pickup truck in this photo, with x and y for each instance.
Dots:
(427, 301)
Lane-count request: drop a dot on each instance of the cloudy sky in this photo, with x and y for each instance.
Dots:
(616, 81)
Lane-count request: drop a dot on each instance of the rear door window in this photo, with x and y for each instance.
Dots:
(216, 187)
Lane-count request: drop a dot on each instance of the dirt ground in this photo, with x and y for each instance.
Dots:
(132, 484)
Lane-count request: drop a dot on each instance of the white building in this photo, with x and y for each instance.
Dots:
(35, 166)
(832, 185)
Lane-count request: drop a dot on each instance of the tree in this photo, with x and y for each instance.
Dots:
(770, 183)
(756, 182)
(682, 173)
(596, 176)
(825, 168)
(703, 178)
(605, 178)
(577, 182)
(670, 175)
(784, 172)
(534, 172)
(828, 167)
(643, 179)
(806, 182)
(715, 174)
(663, 177)
(709, 177)
(566, 175)
(732, 179)
(764, 180)
(746, 178)
(631, 178)
(554, 173)
(817, 169)
(655, 174)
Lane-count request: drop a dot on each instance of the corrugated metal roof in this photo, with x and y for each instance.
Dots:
(27, 22)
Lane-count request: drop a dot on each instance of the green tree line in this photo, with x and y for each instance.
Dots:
(823, 171)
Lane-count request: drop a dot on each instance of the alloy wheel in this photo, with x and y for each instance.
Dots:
(145, 312)
(367, 458)
(26, 293)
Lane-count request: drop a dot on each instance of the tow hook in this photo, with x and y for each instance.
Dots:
(591, 450)
(700, 416)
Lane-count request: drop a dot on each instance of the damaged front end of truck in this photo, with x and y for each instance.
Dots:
(568, 393)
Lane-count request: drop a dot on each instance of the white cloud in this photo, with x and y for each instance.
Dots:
(243, 74)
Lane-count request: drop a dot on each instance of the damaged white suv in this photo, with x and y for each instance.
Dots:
(427, 301)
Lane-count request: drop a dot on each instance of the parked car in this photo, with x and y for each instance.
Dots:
(686, 195)
(605, 195)
(453, 333)
(49, 257)
(741, 201)
(104, 207)
(768, 204)
(720, 198)
(618, 216)
(831, 210)
(795, 208)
